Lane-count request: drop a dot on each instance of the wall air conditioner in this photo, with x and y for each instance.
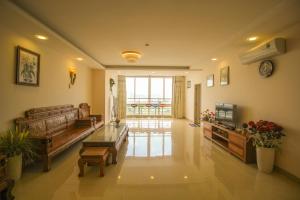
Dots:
(263, 51)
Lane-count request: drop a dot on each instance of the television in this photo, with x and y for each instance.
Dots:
(226, 114)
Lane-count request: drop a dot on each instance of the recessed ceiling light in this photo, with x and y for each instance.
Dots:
(186, 72)
(79, 59)
(252, 38)
(41, 37)
(119, 177)
(185, 177)
(153, 72)
(214, 59)
(151, 177)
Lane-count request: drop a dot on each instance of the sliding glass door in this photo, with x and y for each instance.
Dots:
(149, 96)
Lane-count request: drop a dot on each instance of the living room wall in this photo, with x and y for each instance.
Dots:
(275, 98)
(56, 58)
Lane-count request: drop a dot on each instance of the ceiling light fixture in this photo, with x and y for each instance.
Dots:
(79, 59)
(252, 38)
(131, 56)
(151, 177)
(41, 37)
(214, 59)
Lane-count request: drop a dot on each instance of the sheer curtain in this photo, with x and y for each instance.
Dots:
(178, 101)
(121, 97)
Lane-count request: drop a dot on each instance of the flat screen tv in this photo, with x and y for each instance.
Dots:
(226, 114)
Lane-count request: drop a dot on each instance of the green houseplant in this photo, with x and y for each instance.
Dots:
(266, 137)
(16, 145)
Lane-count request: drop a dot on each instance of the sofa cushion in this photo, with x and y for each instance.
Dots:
(71, 117)
(37, 128)
(56, 124)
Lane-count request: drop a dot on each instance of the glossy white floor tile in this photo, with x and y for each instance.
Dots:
(163, 159)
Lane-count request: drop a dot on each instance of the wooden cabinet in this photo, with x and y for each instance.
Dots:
(6, 184)
(207, 130)
(233, 142)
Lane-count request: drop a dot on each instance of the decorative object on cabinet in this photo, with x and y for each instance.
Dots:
(266, 68)
(210, 80)
(6, 184)
(28, 67)
(266, 137)
(16, 145)
(208, 115)
(224, 76)
(72, 73)
(236, 144)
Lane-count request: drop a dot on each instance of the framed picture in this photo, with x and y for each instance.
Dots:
(210, 80)
(188, 84)
(28, 67)
(224, 76)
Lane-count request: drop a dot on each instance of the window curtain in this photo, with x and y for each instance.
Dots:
(178, 102)
(121, 97)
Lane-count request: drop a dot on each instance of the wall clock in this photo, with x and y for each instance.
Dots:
(266, 68)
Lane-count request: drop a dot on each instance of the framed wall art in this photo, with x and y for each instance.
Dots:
(224, 76)
(28, 67)
(210, 80)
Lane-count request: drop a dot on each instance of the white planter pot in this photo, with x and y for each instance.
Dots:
(265, 159)
(14, 167)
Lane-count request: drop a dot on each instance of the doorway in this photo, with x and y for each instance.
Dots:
(197, 104)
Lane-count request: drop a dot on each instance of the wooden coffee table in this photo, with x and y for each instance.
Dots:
(109, 136)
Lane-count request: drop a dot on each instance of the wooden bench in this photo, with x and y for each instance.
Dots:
(93, 156)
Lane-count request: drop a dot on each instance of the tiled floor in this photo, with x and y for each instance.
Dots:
(163, 159)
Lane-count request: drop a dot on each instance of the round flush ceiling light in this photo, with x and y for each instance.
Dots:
(214, 59)
(131, 56)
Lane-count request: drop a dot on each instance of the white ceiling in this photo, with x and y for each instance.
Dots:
(180, 32)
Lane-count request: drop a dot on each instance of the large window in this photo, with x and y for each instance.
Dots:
(149, 96)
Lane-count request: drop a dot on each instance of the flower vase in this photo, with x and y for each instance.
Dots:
(265, 159)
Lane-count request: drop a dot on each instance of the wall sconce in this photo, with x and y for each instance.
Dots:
(72, 73)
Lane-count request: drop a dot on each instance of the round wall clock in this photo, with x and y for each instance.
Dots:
(266, 68)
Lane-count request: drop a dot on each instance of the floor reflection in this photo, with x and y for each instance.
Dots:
(163, 159)
(149, 144)
(149, 138)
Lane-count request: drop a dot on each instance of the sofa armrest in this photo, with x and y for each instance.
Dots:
(44, 142)
(84, 122)
(98, 117)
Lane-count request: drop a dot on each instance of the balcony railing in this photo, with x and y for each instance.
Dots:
(149, 107)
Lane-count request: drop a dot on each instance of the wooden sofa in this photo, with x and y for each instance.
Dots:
(56, 128)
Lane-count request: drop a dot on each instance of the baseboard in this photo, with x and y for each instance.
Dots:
(288, 174)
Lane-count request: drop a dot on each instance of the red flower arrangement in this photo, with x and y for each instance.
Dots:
(207, 115)
(265, 134)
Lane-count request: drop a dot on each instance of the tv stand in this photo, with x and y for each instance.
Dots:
(236, 144)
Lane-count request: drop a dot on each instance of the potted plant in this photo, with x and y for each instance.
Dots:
(266, 137)
(208, 115)
(16, 145)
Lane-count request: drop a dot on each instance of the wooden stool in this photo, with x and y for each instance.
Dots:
(93, 156)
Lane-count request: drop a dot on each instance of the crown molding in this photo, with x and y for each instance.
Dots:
(52, 31)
